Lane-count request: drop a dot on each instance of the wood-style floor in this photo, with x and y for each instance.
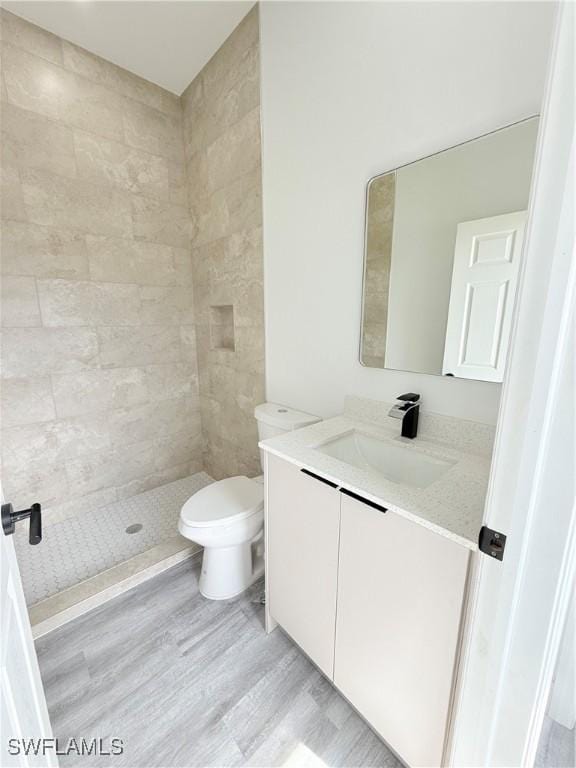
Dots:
(185, 681)
(557, 747)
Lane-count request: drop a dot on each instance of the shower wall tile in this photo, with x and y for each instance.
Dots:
(153, 131)
(99, 390)
(40, 480)
(11, 197)
(222, 141)
(100, 378)
(153, 420)
(159, 221)
(165, 382)
(121, 346)
(108, 468)
(55, 201)
(161, 477)
(246, 287)
(41, 351)
(241, 248)
(72, 302)
(33, 83)
(173, 305)
(105, 161)
(105, 73)
(118, 260)
(188, 345)
(92, 108)
(230, 82)
(232, 154)
(26, 401)
(178, 182)
(116, 243)
(28, 249)
(183, 265)
(26, 76)
(229, 210)
(89, 502)
(177, 449)
(54, 441)
(19, 302)
(198, 172)
(31, 38)
(33, 141)
(250, 348)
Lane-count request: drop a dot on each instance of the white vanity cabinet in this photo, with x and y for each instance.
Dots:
(400, 595)
(376, 601)
(302, 528)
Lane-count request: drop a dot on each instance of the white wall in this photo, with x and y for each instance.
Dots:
(484, 178)
(350, 90)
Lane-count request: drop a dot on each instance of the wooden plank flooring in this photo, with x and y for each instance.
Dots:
(185, 681)
(557, 747)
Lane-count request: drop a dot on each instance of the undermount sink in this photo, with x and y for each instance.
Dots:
(397, 463)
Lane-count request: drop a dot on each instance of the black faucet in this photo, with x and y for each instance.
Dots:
(408, 412)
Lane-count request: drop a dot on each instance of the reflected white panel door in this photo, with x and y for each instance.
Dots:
(24, 713)
(484, 277)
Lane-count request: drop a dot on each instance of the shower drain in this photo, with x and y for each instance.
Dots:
(134, 528)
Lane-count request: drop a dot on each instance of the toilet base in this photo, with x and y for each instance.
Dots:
(228, 571)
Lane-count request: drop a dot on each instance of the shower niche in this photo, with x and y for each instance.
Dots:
(222, 327)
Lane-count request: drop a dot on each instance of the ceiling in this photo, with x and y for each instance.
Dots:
(164, 41)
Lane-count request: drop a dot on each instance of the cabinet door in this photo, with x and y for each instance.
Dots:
(400, 597)
(302, 518)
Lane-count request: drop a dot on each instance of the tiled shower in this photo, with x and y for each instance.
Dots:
(82, 546)
(132, 298)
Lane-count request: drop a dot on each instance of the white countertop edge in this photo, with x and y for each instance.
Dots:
(462, 540)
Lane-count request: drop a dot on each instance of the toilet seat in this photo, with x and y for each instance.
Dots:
(223, 502)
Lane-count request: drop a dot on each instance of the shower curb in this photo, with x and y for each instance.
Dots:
(57, 610)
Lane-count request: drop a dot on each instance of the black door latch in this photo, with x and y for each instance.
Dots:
(10, 518)
(491, 542)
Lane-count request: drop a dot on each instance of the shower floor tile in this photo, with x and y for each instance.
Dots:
(75, 549)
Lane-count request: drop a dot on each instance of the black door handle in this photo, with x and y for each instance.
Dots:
(318, 477)
(10, 518)
(363, 500)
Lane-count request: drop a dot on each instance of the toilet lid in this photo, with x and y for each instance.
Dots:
(223, 502)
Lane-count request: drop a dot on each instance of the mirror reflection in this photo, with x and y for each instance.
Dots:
(442, 255)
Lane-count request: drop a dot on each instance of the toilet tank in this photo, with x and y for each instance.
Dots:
(274, 419)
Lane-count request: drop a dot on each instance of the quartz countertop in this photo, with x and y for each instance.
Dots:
(452, 505)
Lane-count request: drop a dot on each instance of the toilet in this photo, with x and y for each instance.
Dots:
(227, 517)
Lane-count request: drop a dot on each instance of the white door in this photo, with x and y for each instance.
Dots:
(400, 597)
(484, 278)
(519, 606)
(24, 715)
